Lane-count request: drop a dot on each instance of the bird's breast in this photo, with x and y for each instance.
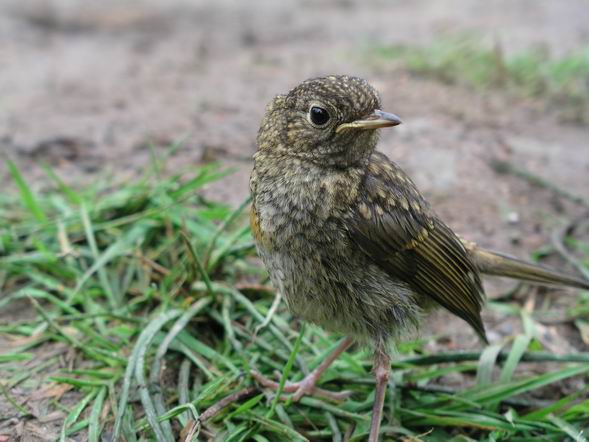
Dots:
(300, 203)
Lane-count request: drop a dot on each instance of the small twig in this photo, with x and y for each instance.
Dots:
(475, 355)
(504, 167)
(215, 409)
(70, 339)
(558, 237)
(350, 431)
(292, 387)
(191, 431)
(151, 263)
(21, 410)
(418, 438)
(268, 318)
(64, 243)
(254, 287)
(197, 261)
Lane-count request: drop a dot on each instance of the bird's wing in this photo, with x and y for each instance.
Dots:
(394, 226)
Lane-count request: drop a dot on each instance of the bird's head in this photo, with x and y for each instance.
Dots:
(330, 121)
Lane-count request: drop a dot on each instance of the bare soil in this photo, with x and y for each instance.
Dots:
(87, 88)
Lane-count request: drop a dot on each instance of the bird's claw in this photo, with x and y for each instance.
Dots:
(306, 387)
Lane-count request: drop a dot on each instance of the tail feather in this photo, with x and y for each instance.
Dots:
(498, 264)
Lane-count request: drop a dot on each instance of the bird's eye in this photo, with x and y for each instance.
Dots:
(318, 115)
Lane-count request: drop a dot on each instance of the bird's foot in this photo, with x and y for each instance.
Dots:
(306, 387)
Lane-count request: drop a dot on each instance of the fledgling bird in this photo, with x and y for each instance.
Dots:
(347, 237)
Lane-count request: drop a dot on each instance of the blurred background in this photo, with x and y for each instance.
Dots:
(494, 97)
(86, 89)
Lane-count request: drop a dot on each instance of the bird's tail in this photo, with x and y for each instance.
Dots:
(493, 263)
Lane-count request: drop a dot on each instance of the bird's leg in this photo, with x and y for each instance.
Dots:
(307, 385)
(382, 368)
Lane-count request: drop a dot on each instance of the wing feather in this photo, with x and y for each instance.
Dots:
(394, 226)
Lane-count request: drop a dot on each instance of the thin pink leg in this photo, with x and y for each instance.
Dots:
(308, 385)
(382, 367)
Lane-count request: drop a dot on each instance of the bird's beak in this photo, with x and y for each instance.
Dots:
(375, 120)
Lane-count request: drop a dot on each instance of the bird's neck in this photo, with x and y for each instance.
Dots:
(337, 160)
(286, 188)
(282, 164)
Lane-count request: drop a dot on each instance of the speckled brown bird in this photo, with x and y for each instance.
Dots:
(347, 237)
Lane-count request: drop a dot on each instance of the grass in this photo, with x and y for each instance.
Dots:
(148, 311)
(470, 61)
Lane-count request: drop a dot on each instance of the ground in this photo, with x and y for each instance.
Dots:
(89, 89)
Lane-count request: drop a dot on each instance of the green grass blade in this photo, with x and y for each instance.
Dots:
(519, 347)
(140, 347)
(286, 371)
(27, 196)
(487, 363)
(94, 426)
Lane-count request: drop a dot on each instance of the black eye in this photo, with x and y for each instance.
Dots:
(319, 116)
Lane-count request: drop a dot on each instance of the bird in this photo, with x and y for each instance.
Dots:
(347, 237)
